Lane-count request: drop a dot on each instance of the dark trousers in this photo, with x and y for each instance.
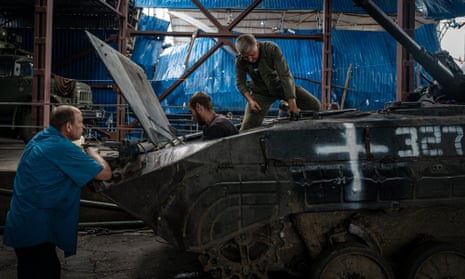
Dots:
(38, 261)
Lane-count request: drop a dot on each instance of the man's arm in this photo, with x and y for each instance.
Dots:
(241, 77)
(104, 174)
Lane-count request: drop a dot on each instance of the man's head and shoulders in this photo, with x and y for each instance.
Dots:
(215, 125)
(66, 125)
(55, 144)
(251, 51)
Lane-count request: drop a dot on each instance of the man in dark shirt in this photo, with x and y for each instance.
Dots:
(214, 125)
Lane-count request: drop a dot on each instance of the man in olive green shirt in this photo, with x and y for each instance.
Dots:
(270, 80)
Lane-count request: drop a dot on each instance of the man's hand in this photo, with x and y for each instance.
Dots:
(293, 110)
(92, 151)
(254, 106)
(106, 173)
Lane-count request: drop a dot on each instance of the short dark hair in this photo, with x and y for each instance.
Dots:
(244, 41)
(62, 114)
(201, 98)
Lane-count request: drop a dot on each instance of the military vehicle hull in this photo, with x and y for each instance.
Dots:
(386, 180)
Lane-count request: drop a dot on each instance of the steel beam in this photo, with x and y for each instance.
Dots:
(326, 64)
(228, 35)
(43, 22)
(405, 62)
(122, 48)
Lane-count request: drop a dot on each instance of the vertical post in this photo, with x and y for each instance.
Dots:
(122, 48)
(43, 22)
(405, 62)
(326, 67)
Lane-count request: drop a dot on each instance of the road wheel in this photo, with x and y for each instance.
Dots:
(351, 261)
(247, 256)
(435, 260)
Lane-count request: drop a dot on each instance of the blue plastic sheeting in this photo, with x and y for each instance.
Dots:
(148, 48)
(304, 58)
(338, 5)
(372, 55)
(442, 9)
(215, 76)
(373, 59)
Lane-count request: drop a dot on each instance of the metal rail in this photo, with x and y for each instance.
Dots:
(88, 203)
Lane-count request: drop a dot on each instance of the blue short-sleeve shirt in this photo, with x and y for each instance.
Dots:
(46, 194)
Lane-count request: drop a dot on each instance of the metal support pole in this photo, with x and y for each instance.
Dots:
(122, 47)
(326, 67)
(43, 22)
(405, 63)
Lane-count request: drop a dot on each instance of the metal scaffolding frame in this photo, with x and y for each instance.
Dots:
(43, 20)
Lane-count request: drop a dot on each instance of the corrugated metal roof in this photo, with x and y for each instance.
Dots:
(274, 17)
(338, 5)
(231, 4)
(437, 9)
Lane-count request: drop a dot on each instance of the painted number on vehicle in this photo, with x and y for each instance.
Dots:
(426, 140)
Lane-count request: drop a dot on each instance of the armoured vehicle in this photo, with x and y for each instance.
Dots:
(16, 94)
(336, 194)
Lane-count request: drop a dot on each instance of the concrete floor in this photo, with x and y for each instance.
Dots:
(117, 254)
(101, 253)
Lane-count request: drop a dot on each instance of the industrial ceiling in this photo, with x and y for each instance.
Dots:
(273, 21)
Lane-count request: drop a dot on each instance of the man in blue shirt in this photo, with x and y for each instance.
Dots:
(44, 208)
(214, 125)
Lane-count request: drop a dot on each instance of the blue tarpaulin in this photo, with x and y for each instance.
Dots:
(442, 9)
(148, 48)
(372, 80)
(370, 54)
